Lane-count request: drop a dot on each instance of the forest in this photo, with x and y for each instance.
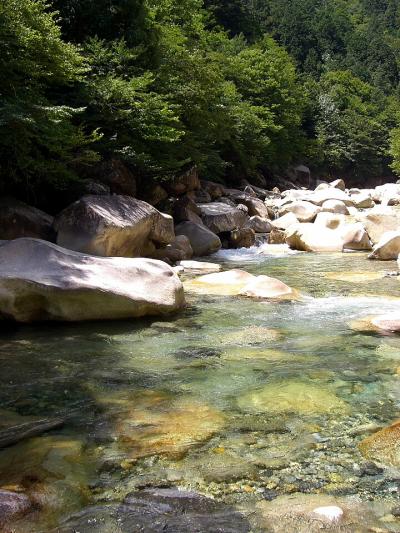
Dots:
(241, 88)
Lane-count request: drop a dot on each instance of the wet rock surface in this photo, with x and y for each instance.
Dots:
(159, 510)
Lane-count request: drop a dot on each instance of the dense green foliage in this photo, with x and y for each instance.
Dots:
(239, 87)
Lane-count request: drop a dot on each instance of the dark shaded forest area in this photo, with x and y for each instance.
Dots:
(241, 88)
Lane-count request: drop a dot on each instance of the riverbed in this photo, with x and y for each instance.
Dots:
(242, 401)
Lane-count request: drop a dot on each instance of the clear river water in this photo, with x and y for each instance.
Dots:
(242, 401)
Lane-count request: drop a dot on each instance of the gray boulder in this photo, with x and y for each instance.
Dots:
(113, 226)
(21, 220)
(202, 240)
(219, 217)
(41, 281)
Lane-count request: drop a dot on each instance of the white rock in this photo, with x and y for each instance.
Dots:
(42, 281)
(331, 513)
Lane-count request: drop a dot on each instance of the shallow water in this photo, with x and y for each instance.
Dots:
(240, 400)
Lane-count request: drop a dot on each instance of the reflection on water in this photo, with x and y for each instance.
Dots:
(244, 401)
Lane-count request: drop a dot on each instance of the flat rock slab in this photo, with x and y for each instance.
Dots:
(159, 511)
(41, 281)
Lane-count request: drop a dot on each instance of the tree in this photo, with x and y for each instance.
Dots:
(39, 140)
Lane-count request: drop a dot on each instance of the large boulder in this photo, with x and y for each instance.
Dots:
(21, 220)
(314, 238)
(259, 225)
(113, 226)
(303, 211)
(355, 237)
(241, 238)
(338, 184)
(378, 222)
(219, 217)
(326, 237)
(335, 206)
(284, 222)
(383, 193)
(202, 240)
(362, 200)
(184, 208)
(388, 248)
(180, 249)
(319, 197)
(42, 281)
(330, 220)
(255, 206)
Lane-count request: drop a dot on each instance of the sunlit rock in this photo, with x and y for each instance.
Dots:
(389, 323)
(362, 200)
(113, 225)
(331, 513)
(291, 396)
(227, 283)
(330, 220)
(388, 247)
(379, 221)
(319, 197)
(338, 184)
(335, 206)
(240, 283)
(199, 267)
(303, 211)
(284, 222)
(383, 446)
(313, 238)
(265, 287)
(355, 237)
(42, 281)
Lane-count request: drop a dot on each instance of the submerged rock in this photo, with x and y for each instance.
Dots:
(153, 423)
(291, 396)
(12, 505)
(312, 513)
(14, 427)
(42, 281)
(389, 323)
(198, 267)
(250, 335)
(383, 446)
(159, 510)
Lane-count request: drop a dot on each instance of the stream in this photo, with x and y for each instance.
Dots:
(238, 400)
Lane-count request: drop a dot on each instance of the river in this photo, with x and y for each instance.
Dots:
(240, 400)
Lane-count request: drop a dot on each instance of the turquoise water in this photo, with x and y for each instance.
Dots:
(241, 400)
